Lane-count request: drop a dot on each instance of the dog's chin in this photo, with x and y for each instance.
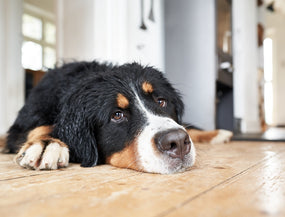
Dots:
(178, 165)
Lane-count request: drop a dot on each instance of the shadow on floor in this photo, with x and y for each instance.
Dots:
(273, 134)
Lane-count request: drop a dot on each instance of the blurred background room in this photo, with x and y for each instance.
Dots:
(227, 57)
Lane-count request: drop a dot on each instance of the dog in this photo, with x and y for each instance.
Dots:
(91, 113)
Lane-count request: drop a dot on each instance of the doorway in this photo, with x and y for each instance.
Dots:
(274, 65)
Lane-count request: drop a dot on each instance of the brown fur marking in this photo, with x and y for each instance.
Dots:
(39, 132)
(202, 136)
(39, 135)
(122, 101)
(147, 87)
(127, 158)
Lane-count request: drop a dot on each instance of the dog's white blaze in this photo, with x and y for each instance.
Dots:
(150, 159)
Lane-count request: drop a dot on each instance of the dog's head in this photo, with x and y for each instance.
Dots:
(128, 117)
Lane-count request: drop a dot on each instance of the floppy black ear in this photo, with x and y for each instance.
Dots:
(74, 127)
(179, 107)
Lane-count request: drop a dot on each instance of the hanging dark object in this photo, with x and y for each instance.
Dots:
(259, 3)
(143, 26)
(270, 7)
(151, 16)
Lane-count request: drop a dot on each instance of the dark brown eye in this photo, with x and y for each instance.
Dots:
(118, 116)
(161, 102)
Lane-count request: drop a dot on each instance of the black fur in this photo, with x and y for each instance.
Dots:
(79, 99)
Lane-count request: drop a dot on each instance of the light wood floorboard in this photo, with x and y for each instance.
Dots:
(235, 179)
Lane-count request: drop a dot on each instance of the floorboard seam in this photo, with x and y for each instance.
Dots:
(21, 177)
(39, 174)
(172, 209)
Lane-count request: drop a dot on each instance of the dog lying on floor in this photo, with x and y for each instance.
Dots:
(128, 116)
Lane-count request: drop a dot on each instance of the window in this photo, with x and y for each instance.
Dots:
(38, 48)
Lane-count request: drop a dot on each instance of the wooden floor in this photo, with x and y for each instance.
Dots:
(235, 179)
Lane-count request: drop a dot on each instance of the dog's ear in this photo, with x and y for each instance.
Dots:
(75, 129)
(179, 107)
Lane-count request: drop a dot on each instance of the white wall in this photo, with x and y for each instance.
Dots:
(245, 58)
(11, 72)
(109, 30)
(75, 33)
(147, 46)
(190, 48)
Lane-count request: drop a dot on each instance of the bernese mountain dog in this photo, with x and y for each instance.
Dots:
(94, 113)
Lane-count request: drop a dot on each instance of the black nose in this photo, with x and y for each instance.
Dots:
(175, 143)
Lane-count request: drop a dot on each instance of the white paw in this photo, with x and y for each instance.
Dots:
(30, 158)
(54, 156)
(223, 136)
(36, 157)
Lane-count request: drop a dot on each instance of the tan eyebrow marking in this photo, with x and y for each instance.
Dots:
(147, 87)
(122, 101)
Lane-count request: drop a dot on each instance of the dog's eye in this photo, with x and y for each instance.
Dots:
(161, 102)
(118, 116)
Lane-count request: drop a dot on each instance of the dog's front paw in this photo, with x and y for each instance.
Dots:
(38, 155)
(223, 136)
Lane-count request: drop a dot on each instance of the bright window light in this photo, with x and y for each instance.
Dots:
(268, 75)
(267, 59)
(268, 102)
(31, 55)
(50, 32)
(39, 44)
(32, 27)
(49, 57)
